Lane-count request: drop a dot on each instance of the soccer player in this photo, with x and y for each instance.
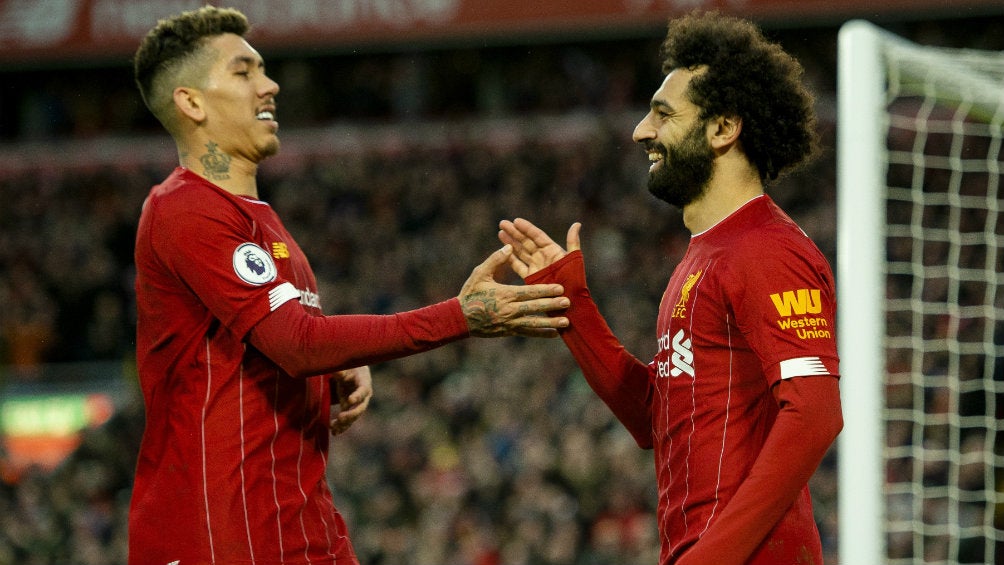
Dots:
(242, 376)
(741, 401)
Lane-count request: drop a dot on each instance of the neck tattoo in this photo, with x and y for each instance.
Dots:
(216, 163)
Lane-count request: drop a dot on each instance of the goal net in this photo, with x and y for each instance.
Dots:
(921, 290)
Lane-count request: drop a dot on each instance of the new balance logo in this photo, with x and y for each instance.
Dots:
(800, 302)
(682, 356)
(280, 251)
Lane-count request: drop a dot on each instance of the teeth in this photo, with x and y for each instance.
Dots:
(654, 156)
(265, 116)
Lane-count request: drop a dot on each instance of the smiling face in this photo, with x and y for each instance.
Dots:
(675, 139)
(239, 101)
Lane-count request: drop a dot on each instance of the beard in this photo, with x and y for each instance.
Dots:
(686, 168)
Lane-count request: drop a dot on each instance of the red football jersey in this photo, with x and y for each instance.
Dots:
(751, 302)
(232, 464)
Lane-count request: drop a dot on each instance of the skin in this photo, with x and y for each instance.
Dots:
(354, 388)
(669, 122)
(734, 180)
(221, 136)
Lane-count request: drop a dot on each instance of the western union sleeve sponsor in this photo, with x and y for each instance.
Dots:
(806, 322)
(801, 303)
(807, 327)
(798, 302)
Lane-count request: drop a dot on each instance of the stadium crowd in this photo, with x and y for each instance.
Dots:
(480, 453)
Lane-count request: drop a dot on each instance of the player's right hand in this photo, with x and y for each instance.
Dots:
(493, 309)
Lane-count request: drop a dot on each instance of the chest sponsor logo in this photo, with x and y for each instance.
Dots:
(680, 309)
(311, 299)
(681, 355)
(798, 311)
(253, 264)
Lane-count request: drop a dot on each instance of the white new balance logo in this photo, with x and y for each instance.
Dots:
(681, 358)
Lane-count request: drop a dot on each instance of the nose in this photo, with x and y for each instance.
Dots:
(270, 87)
(644, 130)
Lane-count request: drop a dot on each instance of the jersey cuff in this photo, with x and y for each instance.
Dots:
(282, 294)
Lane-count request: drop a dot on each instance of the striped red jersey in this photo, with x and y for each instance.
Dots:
(751, 302)
(232, 464)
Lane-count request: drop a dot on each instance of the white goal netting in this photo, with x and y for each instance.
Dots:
(941, 308)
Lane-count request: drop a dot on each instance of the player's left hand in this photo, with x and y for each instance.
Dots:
(354, 388)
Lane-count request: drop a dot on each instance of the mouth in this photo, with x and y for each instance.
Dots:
(267, 116)
(655, 157)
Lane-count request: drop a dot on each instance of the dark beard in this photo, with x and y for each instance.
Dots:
(685, 169)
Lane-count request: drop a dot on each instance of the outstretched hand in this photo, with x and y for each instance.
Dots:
(533, 249)
(493, 309)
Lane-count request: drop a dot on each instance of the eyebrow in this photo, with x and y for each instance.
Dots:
(245, 60)
(661, 105)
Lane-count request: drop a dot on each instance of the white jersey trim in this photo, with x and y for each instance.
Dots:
(803, 367)
(281, 295)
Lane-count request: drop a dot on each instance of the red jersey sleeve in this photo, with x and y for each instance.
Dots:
(785, 303)
(305, 345)
(205, 241)
(618, 378)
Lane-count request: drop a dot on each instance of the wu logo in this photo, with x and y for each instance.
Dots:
(802, 301)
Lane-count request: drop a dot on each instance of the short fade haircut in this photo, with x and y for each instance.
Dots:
(748, 77)
(174, 48)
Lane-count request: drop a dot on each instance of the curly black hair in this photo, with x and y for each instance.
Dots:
(172, 44)
(750, 77)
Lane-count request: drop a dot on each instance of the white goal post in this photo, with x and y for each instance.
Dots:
(920, 284)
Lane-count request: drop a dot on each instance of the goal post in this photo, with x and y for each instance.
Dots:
(920, 283)
(860, 259)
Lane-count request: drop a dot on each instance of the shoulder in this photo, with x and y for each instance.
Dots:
(769, 234)
(186, 201)
(770, 249)
(183, 190)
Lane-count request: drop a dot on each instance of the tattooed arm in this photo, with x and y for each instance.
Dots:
(305, 345)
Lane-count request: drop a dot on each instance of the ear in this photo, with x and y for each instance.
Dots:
(189, 102)
(724, 131)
